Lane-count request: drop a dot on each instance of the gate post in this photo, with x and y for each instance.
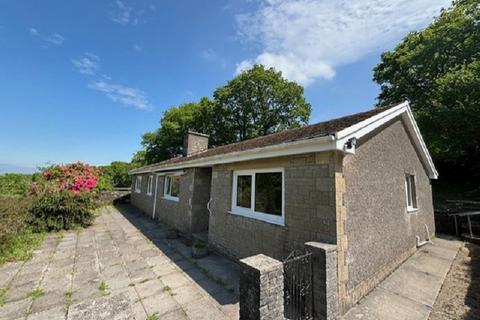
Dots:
(261, 288)
(324, 265)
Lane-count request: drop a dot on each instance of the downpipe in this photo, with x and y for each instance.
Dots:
(428, 240)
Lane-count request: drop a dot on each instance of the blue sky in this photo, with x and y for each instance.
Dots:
(82, 80)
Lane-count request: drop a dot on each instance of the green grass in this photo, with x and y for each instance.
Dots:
(68, 298)
(153, 316)
(37, 293)
(104, 288)
(21, 247)
(168, 290)
(3, 292)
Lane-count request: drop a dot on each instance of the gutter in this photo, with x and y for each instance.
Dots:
(323, 143)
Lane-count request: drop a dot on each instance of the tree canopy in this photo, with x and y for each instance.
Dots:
(438, 70)
(257, 102)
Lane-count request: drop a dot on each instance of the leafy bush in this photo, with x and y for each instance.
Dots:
(15, 184)
(17, 240)
(64, 197)
(117, 173)
(62, 210)
(13, 218)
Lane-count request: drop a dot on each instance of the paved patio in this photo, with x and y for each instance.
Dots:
(122, 267)
(411, 290)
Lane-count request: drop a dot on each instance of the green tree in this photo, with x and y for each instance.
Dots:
(117, 173)
(256, 102)
(167, 141)
(260, 101)
(438, 70)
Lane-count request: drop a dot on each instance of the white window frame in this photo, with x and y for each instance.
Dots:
(150, 185)
(166, 193)
(412, 204)
(138, 184)
(250, 212)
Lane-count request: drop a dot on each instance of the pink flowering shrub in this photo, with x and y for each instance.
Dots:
(64, 196)
(76, 177)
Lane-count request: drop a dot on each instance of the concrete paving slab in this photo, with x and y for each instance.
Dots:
(411, 290)
(414, 284)
(16, 309)
(161, 304)
(106, 308)
(149, 288)
(20, 292)
(49, 300)
(384, 305)
(57, 313)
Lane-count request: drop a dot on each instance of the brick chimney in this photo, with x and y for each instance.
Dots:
(194, 142)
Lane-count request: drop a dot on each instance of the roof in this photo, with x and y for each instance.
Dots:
(320, 133)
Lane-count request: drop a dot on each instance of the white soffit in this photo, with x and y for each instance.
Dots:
(366, 126)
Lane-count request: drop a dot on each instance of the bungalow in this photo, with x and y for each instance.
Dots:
(361, 182)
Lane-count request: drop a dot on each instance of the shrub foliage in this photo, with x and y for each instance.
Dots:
(64, 197)
(13, 217)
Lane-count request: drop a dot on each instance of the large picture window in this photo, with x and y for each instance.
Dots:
(411, 192)
(258, 194)
(138, 184)
(172, 187)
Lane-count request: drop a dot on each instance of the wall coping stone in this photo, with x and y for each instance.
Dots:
(323, 246)
(262, 262)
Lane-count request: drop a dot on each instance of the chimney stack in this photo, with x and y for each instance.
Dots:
(194, 142)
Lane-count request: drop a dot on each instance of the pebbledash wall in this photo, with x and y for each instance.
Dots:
(379, 233)
(309, 208)
(189, 214)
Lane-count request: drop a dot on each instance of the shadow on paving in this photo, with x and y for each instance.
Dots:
(218, 268)
(473, 294)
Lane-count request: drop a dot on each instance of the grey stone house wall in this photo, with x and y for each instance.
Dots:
(176, 213)
(190, 213)
(309, 208)
(141, 200)
(380, 232)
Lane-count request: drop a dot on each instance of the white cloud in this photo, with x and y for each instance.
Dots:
(129, 12)
(137, 48)
(53, 38)
(88, 64)
(123, 94)
(123, 13)
(307, 39)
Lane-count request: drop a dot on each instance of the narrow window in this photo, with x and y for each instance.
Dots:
(172, 187)
(138, 184)
(411, 192)
(149, 185)
(258, 194)
(244, 191)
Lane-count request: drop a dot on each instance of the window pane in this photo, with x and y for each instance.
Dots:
(167, 185)
(414, 192)
(244, 191)
(268, 193)
(175, 181)
(409, 191)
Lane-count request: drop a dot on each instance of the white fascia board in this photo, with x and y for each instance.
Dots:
(363, 127)
(366, 126)
(319, 144)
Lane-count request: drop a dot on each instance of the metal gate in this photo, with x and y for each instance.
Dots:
(298, 293)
